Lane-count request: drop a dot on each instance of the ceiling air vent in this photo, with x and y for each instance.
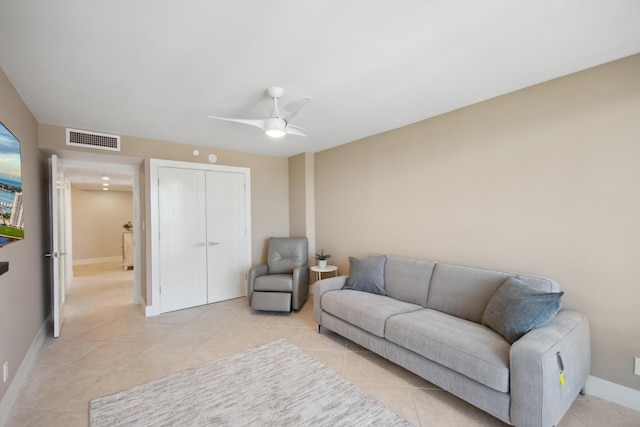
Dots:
(100, 141)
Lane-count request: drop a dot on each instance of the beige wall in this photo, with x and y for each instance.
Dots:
(24, 296)
(544, 181)
(302, 198)
(269, 177)
(297, 196)
(97, 220)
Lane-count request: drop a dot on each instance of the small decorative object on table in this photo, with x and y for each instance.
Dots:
(322, 259)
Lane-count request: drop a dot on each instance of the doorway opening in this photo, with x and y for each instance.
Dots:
(99, 203)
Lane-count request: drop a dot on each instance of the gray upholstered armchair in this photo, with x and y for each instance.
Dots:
(283, 284)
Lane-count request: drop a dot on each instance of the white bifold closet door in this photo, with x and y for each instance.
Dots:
(226, 235)
(202, 236)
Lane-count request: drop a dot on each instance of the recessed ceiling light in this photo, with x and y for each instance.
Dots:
(105, 177)
(105, 189)
(105, 184)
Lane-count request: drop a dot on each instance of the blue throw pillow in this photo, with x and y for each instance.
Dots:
(517, 309)
(367, 274)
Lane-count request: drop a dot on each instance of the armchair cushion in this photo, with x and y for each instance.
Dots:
(274, 283)
(285, 254)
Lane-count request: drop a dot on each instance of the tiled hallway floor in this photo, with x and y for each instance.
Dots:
(107, 345)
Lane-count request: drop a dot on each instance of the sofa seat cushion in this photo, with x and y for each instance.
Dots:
(463, 346)
(274, 283)
(363, 309)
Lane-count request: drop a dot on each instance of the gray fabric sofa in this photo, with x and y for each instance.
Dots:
(430, 322)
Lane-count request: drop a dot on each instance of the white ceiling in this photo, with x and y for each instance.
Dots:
(157, 68)
(87, 173)
(88, 179)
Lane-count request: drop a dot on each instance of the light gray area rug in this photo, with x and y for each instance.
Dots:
(276, 384)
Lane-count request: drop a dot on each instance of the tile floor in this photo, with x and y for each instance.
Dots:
(107, 345)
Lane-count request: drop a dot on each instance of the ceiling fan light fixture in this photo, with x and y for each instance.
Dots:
(275, 133)
(275, 127)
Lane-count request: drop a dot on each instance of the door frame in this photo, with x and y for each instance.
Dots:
(107, 167)
(152, 221)
(57, 252)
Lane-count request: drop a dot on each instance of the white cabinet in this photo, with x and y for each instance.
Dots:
(127, 249)
(200, 234)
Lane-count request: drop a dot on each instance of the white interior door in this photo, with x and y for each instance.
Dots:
(182, 238)
(56, 215)
(226, 235)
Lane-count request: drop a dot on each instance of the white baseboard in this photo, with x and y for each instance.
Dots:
(96, 260)
(148, 311)
(11, 396)
(616, 393)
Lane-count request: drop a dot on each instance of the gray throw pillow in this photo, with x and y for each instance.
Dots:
(367, 274)
(517, 309)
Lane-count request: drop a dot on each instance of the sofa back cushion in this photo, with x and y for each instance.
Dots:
(465, 292)
(408, 279)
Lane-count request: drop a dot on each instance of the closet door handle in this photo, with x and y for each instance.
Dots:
(213, 243)
(199, 244)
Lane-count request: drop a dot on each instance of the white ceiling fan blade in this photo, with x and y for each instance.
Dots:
(292, 108)
(259, 123)
(295, 130)
(277, 124)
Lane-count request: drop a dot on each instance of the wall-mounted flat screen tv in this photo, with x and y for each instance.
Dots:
(11, 208)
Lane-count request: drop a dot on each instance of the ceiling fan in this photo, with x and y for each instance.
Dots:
(277, 125)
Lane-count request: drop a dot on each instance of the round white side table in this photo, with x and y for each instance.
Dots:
(327, 269)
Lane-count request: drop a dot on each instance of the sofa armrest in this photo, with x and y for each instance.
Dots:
(537, 396)
(319, 288)
(255, 271)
